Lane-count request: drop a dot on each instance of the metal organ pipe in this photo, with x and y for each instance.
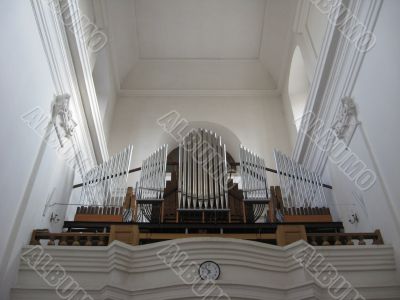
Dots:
(202, 182)
(106, 184)
(300, 187)
(253, 176)
(151, 184)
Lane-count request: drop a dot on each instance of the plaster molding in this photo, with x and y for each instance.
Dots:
(334, 81)
(299, 21)
(335, 75)
(346, 121)
(83, 70)
(121, 271)
(62, 117)
(194, 93)
(60, 62)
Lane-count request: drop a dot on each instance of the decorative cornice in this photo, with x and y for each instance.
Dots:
(83, 69)
(189, 93)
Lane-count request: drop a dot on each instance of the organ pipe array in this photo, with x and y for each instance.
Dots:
(106, 184)
(300, 187)
(253, 176)
(203, 175)
(152, 178)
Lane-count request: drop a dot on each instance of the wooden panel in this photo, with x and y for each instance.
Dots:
(279, 201)
(243, 236)
(287, 234)
(235, 202)
(128, 234)
(130, 199)
(171, 198)
(97, 218)
(272, 205)
(308, 218)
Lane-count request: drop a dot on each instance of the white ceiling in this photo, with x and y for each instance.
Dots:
(198, 75)
(192, 29)
(250, 35)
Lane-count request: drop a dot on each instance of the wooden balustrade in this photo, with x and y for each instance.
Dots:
(70, 238)
(315, 239)
(338, 239)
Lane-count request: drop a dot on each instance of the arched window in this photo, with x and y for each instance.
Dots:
(298, 87)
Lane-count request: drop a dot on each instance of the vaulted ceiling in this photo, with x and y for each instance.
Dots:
(198, 44)
(199, 29)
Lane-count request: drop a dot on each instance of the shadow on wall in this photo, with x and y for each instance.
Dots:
(230, 139)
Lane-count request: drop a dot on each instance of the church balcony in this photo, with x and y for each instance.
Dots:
(170, 269)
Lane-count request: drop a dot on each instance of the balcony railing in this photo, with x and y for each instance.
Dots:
(103, 239)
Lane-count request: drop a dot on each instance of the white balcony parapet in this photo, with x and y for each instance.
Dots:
(249, 270)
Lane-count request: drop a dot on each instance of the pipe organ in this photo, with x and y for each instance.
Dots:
(302, 189)
(203, 175)
(253, 176)
(151, 185)
(105, 185)
(201, 189)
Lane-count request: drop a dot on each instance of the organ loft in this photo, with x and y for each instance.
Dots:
(199, 150)
(198, 190)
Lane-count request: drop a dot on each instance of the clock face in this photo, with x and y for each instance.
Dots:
(209, 270)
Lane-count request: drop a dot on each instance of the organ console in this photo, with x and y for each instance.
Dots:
(201, 189)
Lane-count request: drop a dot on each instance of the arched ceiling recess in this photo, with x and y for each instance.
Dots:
(198, 44)
(298, 87)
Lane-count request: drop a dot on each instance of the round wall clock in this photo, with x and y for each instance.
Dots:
(209, 270)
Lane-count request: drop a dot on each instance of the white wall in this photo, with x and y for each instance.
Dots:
(122, 29)
(199, 74)
(277, 34)
(30, 170)
(377, 141)
(257, 121)
(105, 88)
(307, 34)
(100, 61)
